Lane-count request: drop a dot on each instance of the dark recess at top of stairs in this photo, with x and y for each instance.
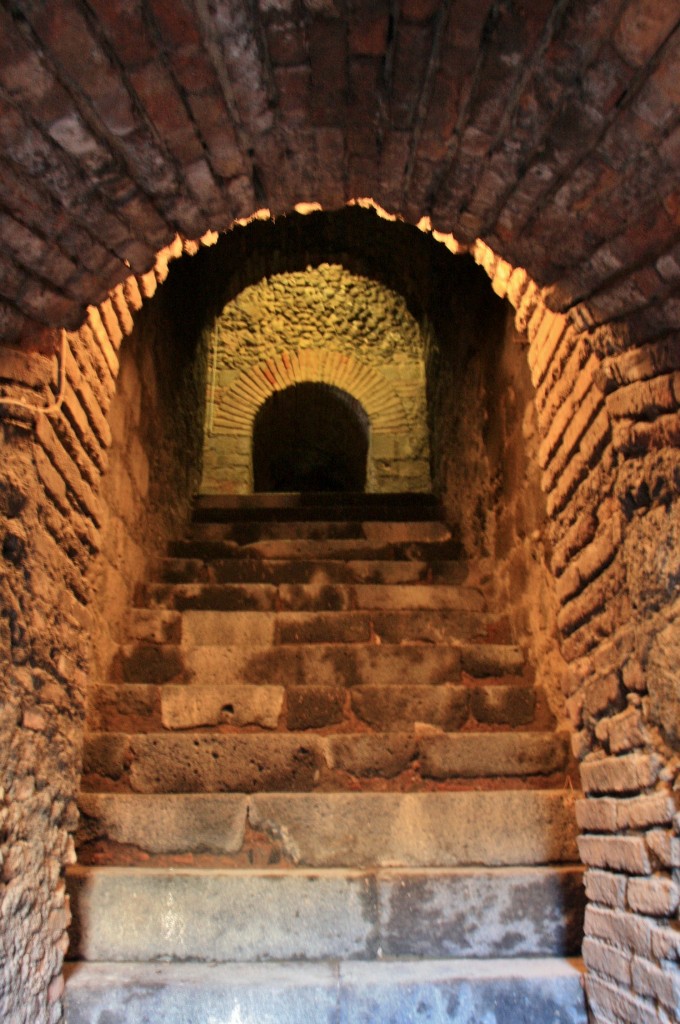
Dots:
(329, 506)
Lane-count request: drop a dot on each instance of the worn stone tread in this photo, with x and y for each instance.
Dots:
(144, 707)
(216, 914)
(315, 597)
(315, 550)
(351, 664)
(186, 762)
(445, 829)
(207, 625)
(281, 570)
(248, 532)
(441, 992)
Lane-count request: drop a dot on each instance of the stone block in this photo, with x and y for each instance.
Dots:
(189, 706)
(471, 912)
(313, 707)
(165, 823)
(503, 705)
(496, 992)
(487, 754)
(657, 896)
(148, 663)
(366, 754)
(221, 762)
(606, 887)
(482, 659)
(395, 707)
(629, 773)
(139, 914)
(423, 829)
(619, 853)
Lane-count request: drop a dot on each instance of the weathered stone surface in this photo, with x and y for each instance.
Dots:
(134, 914)
(188, 706)
(313, 707)
(419, 829)
(325, 664)
(176, 993)
(189, 570)
(507, 912)
(492, 659)
(489, 754)
(145, 914)
(168, 823)
(503, 705)
(395, 707)
(497, 992)
(212, 763)
(384, 755)
(148, 663)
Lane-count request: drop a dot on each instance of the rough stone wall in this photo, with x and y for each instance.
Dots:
(608, 420)
(314, 316)
(62, 500)
(485, 458)
(156, 423)
(607, 412)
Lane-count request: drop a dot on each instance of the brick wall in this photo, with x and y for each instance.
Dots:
(327, 325)
(81, 492)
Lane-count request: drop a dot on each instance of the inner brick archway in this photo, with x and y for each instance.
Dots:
(538, 132)
(310, 437)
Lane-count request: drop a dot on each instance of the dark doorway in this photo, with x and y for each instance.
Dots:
(310, 437)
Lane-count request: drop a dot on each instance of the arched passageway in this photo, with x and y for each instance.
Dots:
(552, 136)
(310, 437)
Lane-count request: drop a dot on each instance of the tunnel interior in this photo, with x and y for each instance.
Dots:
(310, 437)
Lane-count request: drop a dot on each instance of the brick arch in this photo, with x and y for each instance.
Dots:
(364, 383)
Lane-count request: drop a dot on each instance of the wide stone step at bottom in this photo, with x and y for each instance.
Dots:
(212, 914)
(327, 830)
(256, 762)
(516, 991)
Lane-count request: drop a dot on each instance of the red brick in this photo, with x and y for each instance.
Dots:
(125, 26)
(643, 28)
(177, 21)
(619, 774)
(657, 896)
(620, 928)
(606, 887)
(607, 960)
(368, 27)
(617, 853)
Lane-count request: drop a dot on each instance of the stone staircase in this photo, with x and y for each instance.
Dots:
(320, 786)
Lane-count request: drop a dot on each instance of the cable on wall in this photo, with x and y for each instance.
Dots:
(55, 406)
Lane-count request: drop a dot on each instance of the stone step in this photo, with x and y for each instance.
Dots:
(338, 506)
(323, 571)
(515, 991)
(319, 664)
(398, 705)
(318, 550)
(352, 829)
(314, 597)
(250, 532)
(208, 626)
(249, 916)
(210, 762)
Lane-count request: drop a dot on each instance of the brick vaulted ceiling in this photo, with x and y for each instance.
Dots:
(549, 128)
